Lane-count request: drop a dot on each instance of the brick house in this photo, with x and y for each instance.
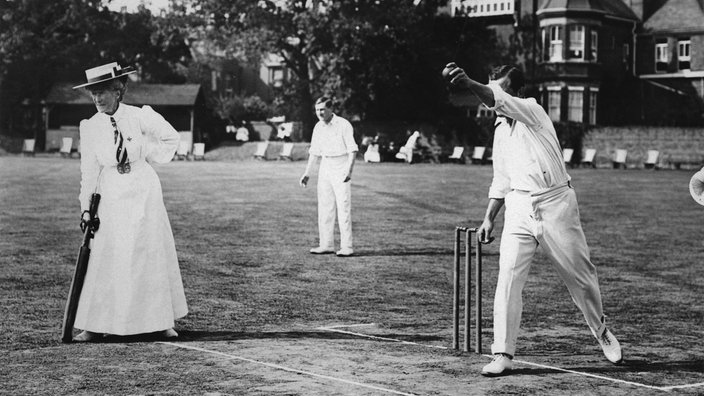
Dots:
(608, 62)
(670, 64)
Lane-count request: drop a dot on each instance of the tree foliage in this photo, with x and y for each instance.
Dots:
(379, 59)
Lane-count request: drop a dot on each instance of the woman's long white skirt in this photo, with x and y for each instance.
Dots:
(133, 282)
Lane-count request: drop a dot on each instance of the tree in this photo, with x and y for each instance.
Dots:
(380, 59)
(44, 42)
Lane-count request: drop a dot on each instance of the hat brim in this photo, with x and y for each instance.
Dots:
(104, 80)
(696, 187)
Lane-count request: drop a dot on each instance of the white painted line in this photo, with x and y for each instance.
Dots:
(682, 386)
(291, 370)
(333, 329)
(587, 374)
(660, 388)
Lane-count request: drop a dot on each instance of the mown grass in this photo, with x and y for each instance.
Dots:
(243, 230)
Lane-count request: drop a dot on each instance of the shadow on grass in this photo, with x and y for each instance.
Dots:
(411, 252)
(204, 335)
(628, 366)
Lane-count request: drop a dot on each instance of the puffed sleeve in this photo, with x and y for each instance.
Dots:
(162, 138)
(348, 137)
(90, 168)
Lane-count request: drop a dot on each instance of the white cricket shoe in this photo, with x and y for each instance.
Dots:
(611, 347)
(321, 250)
(345, 252)
(498, 366)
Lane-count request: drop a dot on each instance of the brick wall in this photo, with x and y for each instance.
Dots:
(679, 147)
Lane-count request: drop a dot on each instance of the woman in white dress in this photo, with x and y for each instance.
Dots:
(133, 282)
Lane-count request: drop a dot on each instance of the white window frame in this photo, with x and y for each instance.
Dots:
(662, 55)
(593, 96)
(575, 104)
(576, 43)
(594, 45)
(684, 54)
(554, 102)
(555, 43)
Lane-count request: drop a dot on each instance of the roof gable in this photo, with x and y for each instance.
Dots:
(677, 16)
(137, 94)
(614, 8)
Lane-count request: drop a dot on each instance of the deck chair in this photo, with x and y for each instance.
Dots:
(182, 151)
(457, 154)
(620, 159)
(66, 144)
(652, 160)
(567, 156)
(28, 147)
(261, 150)
(372, 153)
(286, 151)
(478, 154)
(588, 159)
(198, 151)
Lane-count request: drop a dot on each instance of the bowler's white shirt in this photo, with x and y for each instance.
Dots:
(526, 152)
(333, 139)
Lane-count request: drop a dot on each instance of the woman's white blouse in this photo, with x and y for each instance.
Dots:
(147, 137)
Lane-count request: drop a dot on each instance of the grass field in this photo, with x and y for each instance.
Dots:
(267, 318)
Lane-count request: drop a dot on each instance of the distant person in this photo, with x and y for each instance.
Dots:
(405, 153)
(541, 209)
(242, 133)
(333, 141)
(133, 282)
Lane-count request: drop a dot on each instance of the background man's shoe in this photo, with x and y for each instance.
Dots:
(345, 252)
(169, 333)
(611, 347)
(321, 250)
(499, 366)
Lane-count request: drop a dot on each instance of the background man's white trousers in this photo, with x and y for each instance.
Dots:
(334, 197)
(549, 218)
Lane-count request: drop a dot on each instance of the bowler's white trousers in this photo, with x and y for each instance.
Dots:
(549, 218)
(334, 197)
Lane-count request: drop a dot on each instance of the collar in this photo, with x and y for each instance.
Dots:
(119, 113)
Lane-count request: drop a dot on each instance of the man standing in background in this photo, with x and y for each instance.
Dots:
(333, 142)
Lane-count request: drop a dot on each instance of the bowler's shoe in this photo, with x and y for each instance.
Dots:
(611, 347)
(501, 364)
(321, 250)
(344, 252)
(169, 334)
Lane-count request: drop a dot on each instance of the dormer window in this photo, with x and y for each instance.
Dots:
(683, 55)
(576, 47)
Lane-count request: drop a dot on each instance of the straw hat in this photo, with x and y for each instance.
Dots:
(104, 73)
(696, 187)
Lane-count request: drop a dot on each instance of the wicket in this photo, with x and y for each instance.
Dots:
(468, 232)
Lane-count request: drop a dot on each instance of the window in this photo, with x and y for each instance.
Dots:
(593, 93)
(554, 99)
(576, 48)
(276, 76)
(594, 45)
(555, 43)
(661, 57)
(214, 76)
(683, 56)
(575, 104)
(626, 53)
